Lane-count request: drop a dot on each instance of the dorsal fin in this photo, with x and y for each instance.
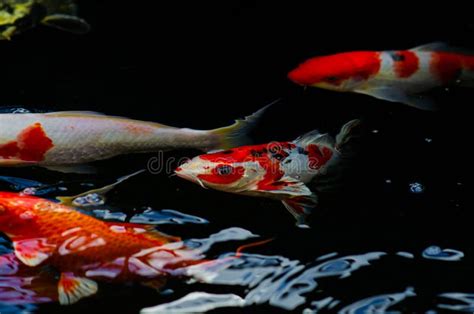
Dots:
(439, 46)
(314, 137)
(74, 113)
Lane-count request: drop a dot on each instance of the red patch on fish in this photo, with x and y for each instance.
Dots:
(446, 66)
(318, 156)
(335, 69)
(231, 174)
(406, 63)
(31, 145)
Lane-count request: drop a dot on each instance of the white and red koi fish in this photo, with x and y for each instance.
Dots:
(59, 140)
(279, 170)
(397, 76)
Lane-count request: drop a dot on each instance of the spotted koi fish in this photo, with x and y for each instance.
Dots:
(397, 76)
(84, 249)
(64, 140)
(279, 170)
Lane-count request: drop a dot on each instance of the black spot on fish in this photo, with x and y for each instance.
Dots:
(398, 57)
(278, 183)
(255, 153)
(227, 152)
(288, 161)
(278, 156)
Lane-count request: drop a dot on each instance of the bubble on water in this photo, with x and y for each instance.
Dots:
(428, 140)
(388, 181)
(375, 131)
(378, 304)
(416, 188)
(437, 253)
(92, 199)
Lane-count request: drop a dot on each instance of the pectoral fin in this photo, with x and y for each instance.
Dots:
(71, 288)
(33, 252)
(67, 23)
(300, 208)
(286, 186)
(394, 94)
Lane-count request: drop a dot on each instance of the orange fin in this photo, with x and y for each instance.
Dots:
(71, 289)
(33, 252)
(300, 208)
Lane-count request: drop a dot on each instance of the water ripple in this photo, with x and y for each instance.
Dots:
(467, 301)
(437, 253)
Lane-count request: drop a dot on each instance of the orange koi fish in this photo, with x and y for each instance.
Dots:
(279, 170)
(84, 249)
(397, 76)
(63, 140)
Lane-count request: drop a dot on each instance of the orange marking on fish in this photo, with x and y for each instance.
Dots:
(138, 129)
(31, 145)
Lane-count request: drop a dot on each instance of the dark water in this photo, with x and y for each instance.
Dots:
(396, 237)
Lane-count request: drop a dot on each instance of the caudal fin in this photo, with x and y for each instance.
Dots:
(346, 134)
(237, 133)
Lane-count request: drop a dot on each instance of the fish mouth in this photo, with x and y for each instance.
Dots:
(190, 177)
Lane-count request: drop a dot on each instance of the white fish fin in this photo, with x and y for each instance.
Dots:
(443, 47)
(80, 169)
(68, 23)
(33, 252)
(346, 133)
(434, 46)
(236, 134)
(394, 94)
(314, 137)
(74, 113)
(286, 186)
(71, 288)
(300, 208)
(69, 200)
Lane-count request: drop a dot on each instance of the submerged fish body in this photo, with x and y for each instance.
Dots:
(278, 170)
(403, 76)
(84, 249)
(17, 16)
(71, 138)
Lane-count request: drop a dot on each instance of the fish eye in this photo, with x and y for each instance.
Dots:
(224, 170)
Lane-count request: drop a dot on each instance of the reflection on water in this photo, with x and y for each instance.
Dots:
(277, 280)
(466, 302)
(437, 253)
(197, 302)
(377, 304)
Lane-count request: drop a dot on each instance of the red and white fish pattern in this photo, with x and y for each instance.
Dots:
(278, 170)
(399, 76)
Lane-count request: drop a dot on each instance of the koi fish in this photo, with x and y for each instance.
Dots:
(402, 76)
(63, 141)
(17, 16)
(279, 170)
(84, 249)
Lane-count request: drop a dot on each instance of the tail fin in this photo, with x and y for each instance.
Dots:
(346, 134)
(236, 134)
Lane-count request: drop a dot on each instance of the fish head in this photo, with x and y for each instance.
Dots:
(339, 72)
(16, 212)
(235, 170)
